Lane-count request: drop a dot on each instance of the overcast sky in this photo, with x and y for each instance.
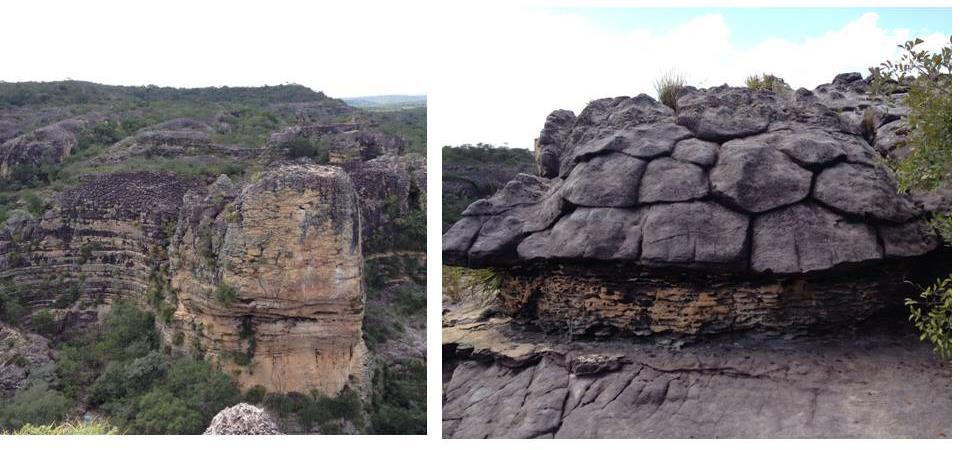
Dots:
(506, 72)
(342, 48)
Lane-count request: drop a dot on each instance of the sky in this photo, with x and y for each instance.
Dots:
(345, 48)
(507, 71)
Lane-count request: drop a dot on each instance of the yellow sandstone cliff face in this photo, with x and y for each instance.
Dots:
(268, 279)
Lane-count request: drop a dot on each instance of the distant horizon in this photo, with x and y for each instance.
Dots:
(321, 91)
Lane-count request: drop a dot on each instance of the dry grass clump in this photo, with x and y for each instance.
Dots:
(668, 88)
(768, 82)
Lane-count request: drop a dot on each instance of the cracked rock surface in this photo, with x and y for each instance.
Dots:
(503, 380)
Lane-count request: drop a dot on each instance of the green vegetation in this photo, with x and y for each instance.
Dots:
(928, 167)
(767, 82)
(400, 400)
(668, 88)
(93, 427)
(225, 294)
(44, 323)
(121, 372)
(930, 98)
(460, 282)
(317, 150)
(37, 405)
(318, 412)
(931, 314)
(408, 123)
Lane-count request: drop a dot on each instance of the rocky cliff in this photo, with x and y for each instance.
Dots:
(250, 251)
(732, 268)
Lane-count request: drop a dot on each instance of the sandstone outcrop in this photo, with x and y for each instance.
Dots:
(737, 185)
(269, 278)
(97, 243)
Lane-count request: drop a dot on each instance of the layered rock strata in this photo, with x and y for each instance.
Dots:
(736, 182)
(269, 278)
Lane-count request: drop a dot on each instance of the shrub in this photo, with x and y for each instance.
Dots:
(767, 82)
(37, 405)
(255, 395)
(225, 293)
(400, 406)
(928, 166)
(668, 88)
(161, 412)
(302, 148)
(44, 323)
(931, 314)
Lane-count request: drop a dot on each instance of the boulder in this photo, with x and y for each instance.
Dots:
(242, 419)
(692, 234)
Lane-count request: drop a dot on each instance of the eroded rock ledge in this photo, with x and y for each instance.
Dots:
(702, 205)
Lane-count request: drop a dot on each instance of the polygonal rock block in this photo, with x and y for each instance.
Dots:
(610, 180)
(458, 239)
(757, 177)
(693, 233)
(723, 113)
(699, 152)
(497, 239)
(806, 237)
(863, 191)
(523, 190)
(593, 233)
(669, 180)
(810, 148)
(910, 239)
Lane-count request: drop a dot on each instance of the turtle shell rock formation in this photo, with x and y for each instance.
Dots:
(742, 209)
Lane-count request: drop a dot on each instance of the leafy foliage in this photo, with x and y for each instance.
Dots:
(930, 98)
(928, 78)
(931, 314)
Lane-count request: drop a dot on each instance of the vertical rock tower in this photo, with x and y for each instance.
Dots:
(269, 279)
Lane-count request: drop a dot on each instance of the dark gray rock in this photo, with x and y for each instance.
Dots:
(549, 148)
(693, 234)
(722, 113)
(610, 180)
(699, 152)
(458, 239)
(755, 177)
(592, 233)
(669, 180)
(806, 237)
(522, 190)
(910, 239)
(869, 192)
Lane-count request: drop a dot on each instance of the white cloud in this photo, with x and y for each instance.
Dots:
(503, 71)
(343, 48)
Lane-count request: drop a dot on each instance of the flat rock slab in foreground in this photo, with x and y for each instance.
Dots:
(517, 384)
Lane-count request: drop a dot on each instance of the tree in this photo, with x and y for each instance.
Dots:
(161, 412)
